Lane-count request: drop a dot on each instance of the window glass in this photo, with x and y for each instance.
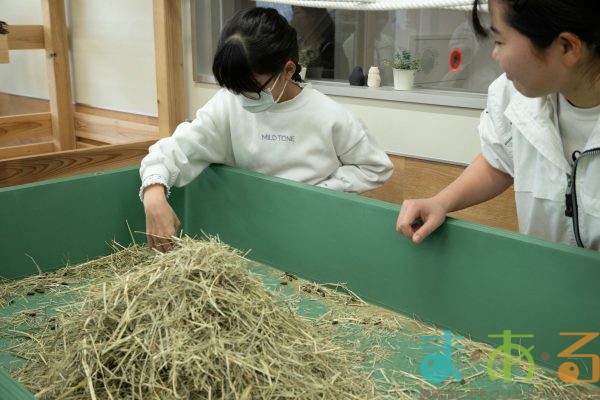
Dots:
(333, 42)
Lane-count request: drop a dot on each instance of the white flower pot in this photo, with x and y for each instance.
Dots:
(403, 79)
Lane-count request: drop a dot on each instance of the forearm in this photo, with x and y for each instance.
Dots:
(154, 194)
(479, 182)
(161, 221)
(356, 179)
(365, 167)
(180, 158)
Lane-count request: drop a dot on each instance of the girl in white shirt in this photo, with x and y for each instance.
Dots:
(541, 128)
(262, 119)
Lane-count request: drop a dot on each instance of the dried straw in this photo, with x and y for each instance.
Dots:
(377, 324)
(195, 323)
(190, 324)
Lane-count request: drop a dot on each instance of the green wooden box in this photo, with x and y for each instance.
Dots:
(471, 279)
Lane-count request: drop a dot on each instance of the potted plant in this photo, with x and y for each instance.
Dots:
(405, 65)
(303, 61)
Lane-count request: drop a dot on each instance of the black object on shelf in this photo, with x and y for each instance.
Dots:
(357, 77)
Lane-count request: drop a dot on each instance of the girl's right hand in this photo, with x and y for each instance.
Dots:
(479, 182)
(430, 211)
(161, 221)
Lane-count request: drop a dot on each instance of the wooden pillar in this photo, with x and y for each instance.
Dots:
(4, 49)
(169, 65)
(59, 81)
(3, 43)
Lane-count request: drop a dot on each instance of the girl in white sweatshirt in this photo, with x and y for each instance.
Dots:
(262, 119)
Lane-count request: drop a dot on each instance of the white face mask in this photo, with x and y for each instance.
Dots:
(264, 102)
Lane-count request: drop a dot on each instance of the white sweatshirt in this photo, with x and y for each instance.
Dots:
(310, 139)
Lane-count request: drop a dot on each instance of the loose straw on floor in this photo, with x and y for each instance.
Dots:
(196, 324)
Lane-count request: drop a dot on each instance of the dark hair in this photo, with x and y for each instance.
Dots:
(254, 41)
(543, 20)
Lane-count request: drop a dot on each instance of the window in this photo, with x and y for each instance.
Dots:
(334, 41)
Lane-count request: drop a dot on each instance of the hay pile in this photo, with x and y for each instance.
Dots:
(190, 324)
(196, 324)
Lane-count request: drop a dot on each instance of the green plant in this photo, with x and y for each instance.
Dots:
(404, 60)
(306, 57)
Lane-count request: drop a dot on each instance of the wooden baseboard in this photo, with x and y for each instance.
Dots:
(25, 150)
(112, 130)
(11, 104)
(120, 115)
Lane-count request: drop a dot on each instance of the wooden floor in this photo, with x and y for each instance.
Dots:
(412, 178)
(13, 105)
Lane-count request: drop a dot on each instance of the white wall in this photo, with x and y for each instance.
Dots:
(26, 72)
(112, 54)
(421, 131)
(112, 46)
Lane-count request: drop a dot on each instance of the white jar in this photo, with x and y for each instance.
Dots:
(374, 78)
